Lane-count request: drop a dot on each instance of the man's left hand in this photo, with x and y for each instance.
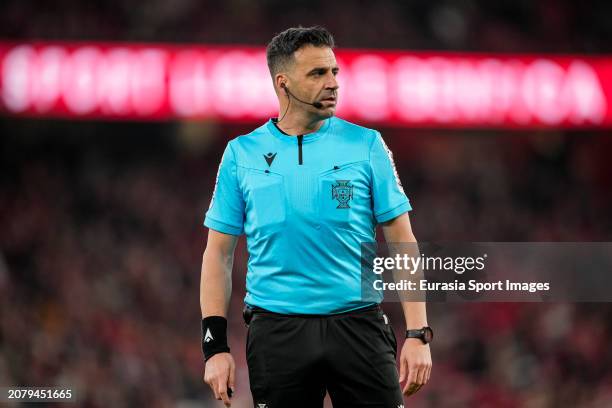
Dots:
(415, 365)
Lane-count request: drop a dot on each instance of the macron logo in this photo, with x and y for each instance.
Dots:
(208, 337)
(269, 158)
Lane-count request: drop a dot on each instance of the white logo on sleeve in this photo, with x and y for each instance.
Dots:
(216, 183)
(262, 405)
(390, 155)
(208, 337)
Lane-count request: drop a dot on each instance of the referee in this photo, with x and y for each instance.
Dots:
(307, 189)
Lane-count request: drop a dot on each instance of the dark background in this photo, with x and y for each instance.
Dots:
(100, 223)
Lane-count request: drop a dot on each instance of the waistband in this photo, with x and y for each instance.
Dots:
(259, 310)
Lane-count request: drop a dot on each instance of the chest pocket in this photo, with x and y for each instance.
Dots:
(265, 200)
(344, 195)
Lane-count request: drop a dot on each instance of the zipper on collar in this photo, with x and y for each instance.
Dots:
(300, 138)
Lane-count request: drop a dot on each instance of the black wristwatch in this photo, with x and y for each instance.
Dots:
(425, 334)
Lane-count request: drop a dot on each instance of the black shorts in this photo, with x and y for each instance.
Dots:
(293, 360)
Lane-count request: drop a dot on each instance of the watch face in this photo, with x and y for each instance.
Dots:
(427, 334)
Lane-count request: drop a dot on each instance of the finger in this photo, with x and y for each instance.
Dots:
(405, 389)
(408, 386)
(403, 366)
(428, 376)
(421, 375)
(224, 396)
(213, 386)
(232, 379)
(410, 380)
(212, 383)
(412, 374)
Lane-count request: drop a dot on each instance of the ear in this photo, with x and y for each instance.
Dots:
(279, 80)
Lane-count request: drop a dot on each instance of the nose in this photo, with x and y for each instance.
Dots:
(332, 83)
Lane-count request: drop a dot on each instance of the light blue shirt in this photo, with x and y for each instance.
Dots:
(305, 204)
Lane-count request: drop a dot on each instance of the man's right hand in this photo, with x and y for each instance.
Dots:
(219, 374)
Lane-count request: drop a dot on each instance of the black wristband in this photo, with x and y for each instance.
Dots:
(214, 336)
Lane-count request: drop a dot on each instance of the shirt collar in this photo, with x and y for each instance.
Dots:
(275, 130)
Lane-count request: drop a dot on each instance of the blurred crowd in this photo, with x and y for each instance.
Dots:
(101, 245)
(478, 25)
(100, 223)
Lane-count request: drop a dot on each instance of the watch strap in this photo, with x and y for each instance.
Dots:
(425, 334)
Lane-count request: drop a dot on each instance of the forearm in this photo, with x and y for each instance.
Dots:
(215, 283)
(401, 240)
(415, 314)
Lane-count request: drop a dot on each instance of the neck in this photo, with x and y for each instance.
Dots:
(299, 122)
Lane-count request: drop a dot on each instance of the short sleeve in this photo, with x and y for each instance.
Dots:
(389, 199)
(226, 210)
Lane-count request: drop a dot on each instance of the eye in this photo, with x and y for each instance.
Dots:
(317, 72)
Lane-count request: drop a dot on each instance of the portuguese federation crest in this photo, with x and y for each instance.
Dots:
(343, 192)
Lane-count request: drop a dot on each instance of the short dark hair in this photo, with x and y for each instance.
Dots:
(280, 50)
